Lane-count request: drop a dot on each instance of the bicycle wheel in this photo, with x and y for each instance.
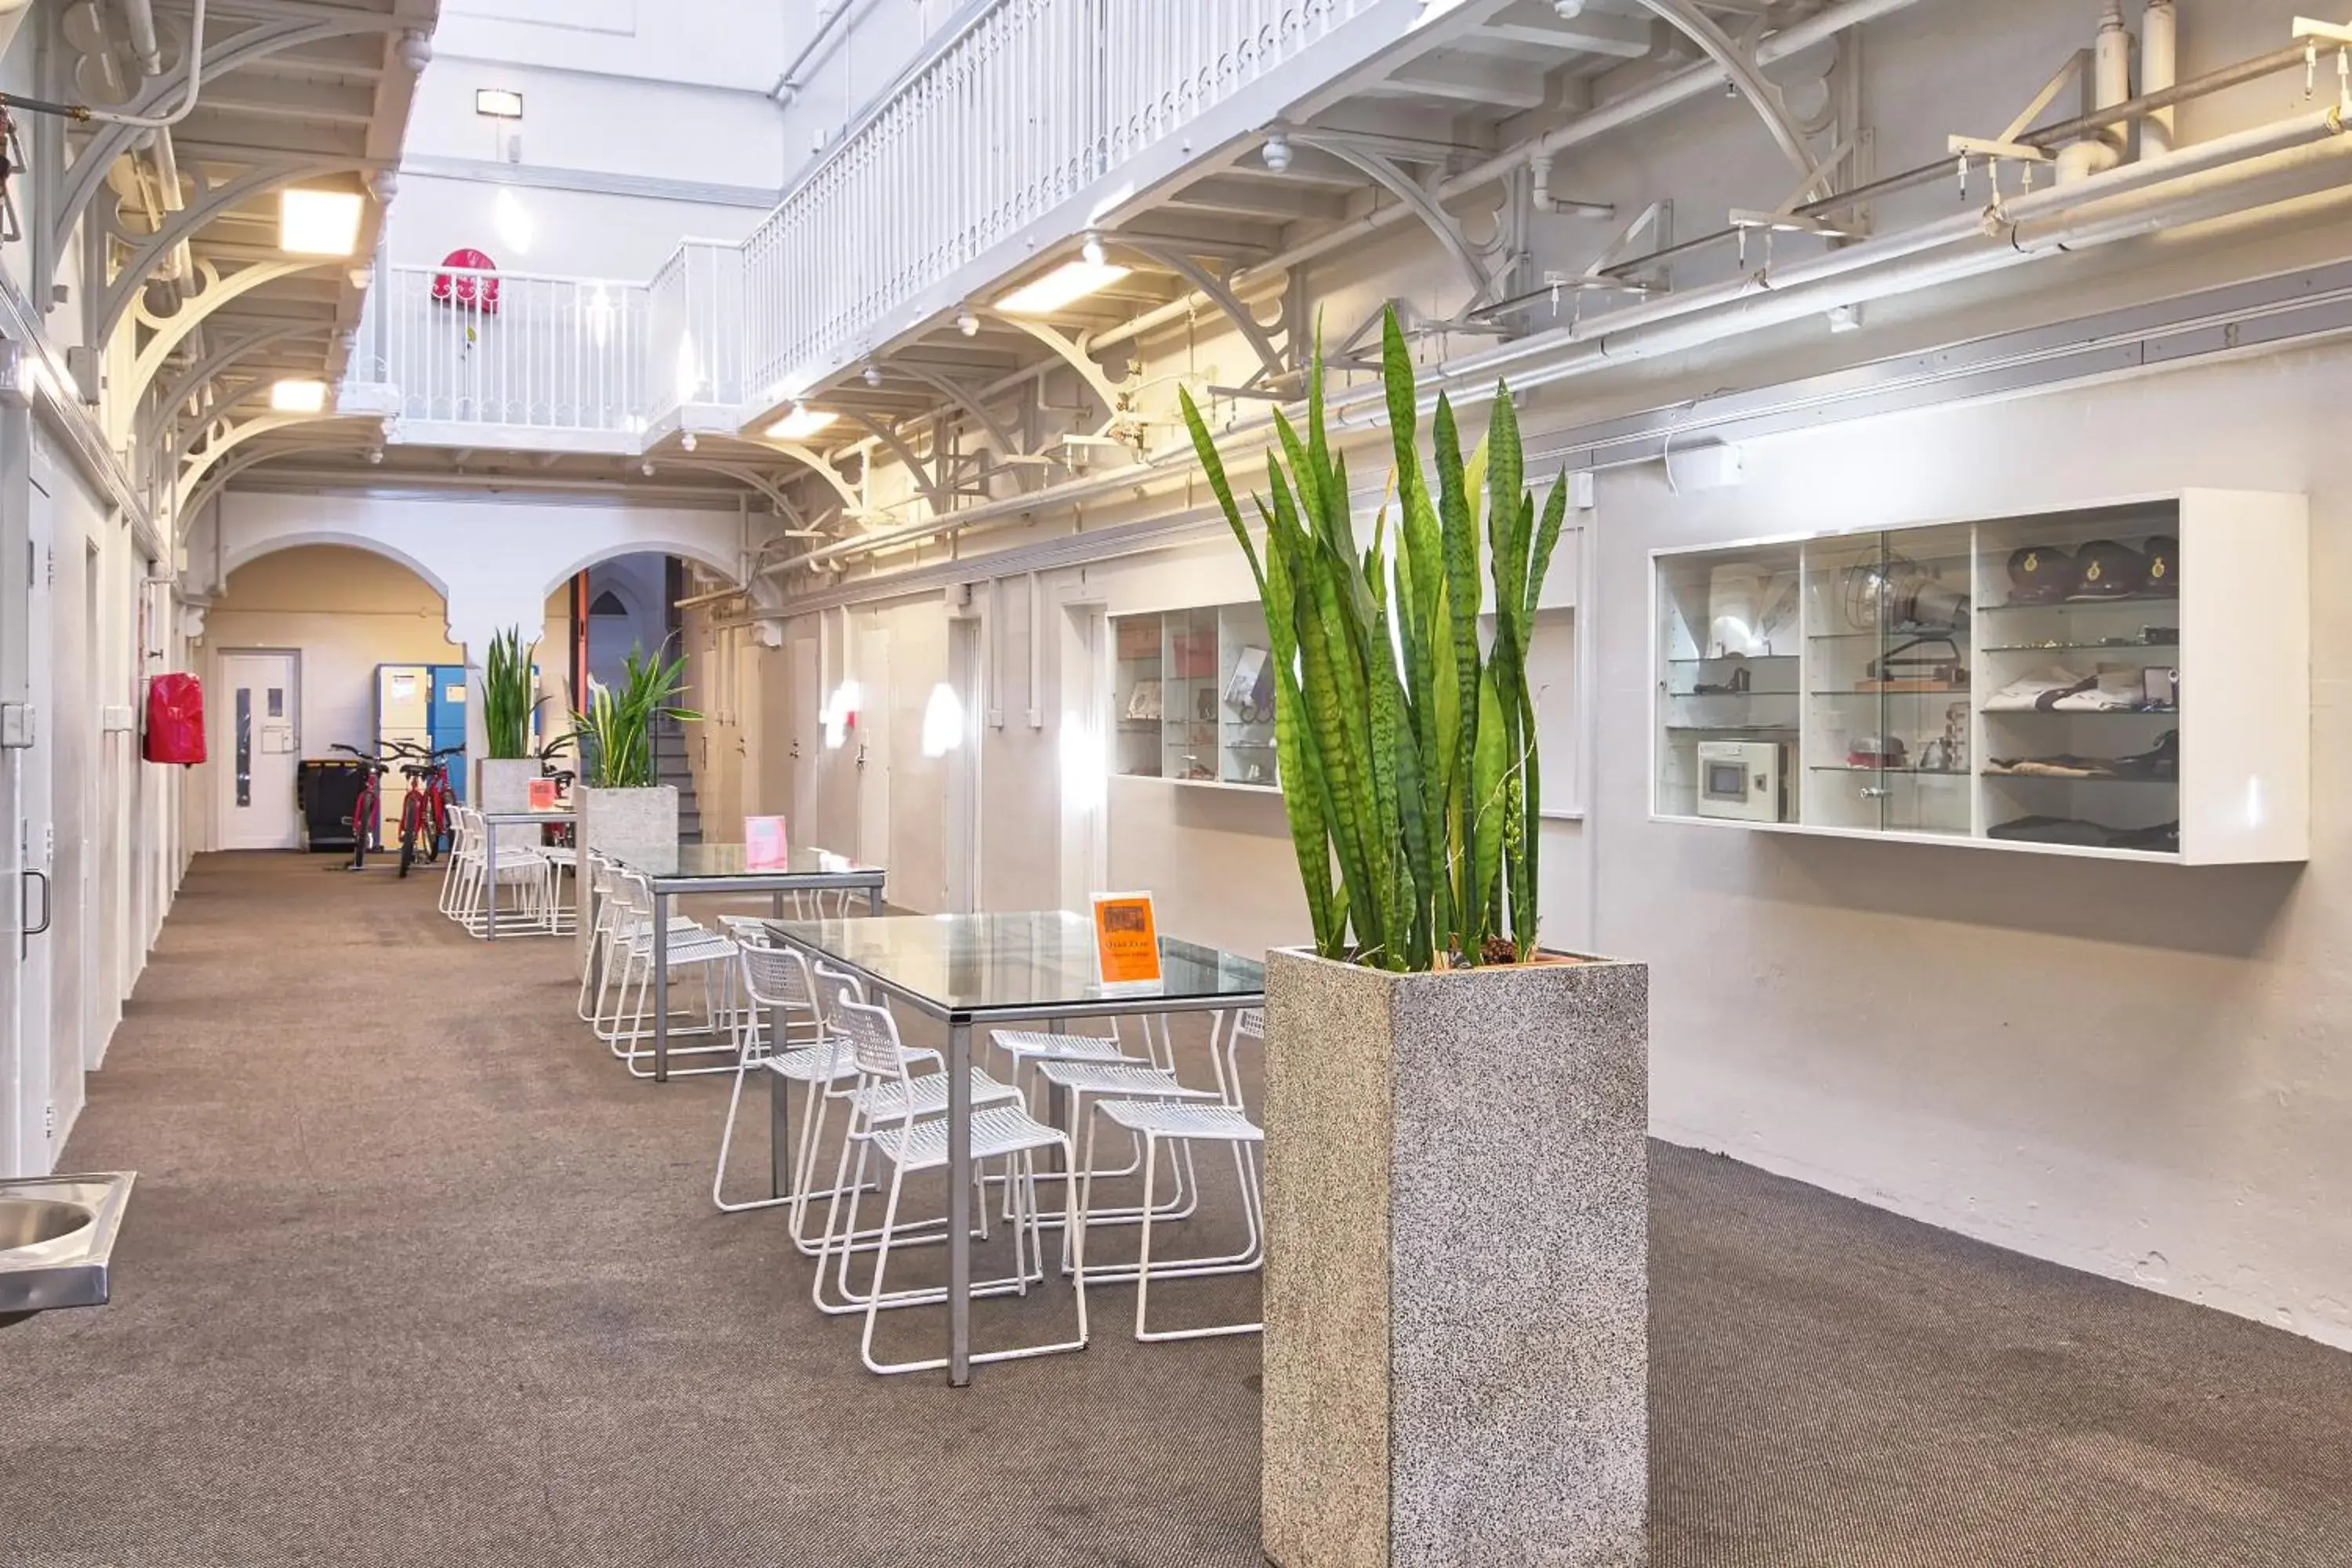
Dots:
(410, 821)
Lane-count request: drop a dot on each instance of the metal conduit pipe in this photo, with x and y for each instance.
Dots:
(138, 15)
(2222, 151)
(1638, 105)
(2231, 174)
(827, 19)
(2159, 52)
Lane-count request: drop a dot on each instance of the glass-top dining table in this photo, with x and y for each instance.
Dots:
(671, 870)
(549, 817)
(974, 970)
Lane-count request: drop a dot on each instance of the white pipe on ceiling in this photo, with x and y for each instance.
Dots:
(140, 17)
(2160, 54)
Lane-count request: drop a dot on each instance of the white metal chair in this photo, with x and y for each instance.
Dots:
(802, 1048)
(691, 950)
(909, 1141)
(1182, 1123)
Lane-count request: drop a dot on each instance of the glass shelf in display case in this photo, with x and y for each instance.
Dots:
(2011, 683)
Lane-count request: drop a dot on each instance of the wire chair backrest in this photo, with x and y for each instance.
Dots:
(776, 976)
(873, 1037)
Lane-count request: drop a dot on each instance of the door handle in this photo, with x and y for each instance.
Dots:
(46, 901)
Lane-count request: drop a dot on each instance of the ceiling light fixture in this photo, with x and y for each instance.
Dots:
(319, 223)
(497, 103)
(966, 322)
(800, 424)
(873, 373)
(1071, 282)
(1276, 151)
(1093, 250)
(298, 396)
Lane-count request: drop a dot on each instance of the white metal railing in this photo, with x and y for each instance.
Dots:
(516, 350)
(1031, 103)
(694, 329)
(1024, 107)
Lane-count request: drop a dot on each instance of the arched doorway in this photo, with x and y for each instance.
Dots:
(301, 652)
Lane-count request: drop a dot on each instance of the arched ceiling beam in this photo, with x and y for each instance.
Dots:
(149, 253)
(216, 479)
(1070, 354)
(173, 329)
(192, 468)
(1424, 207)
(257, 42)
(807, 459)
(1738, 63)
(926, 482)
(999, 432)
(191, 381)
(1270, 360)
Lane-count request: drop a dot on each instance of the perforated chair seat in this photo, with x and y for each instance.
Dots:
(1003, 1130)
(1176, 1119)
(1119, 1077)
(928, 1096)
(1036, 1044)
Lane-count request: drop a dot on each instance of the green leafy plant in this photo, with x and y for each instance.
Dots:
(615, 735)
(1405, 738)
(506, 703)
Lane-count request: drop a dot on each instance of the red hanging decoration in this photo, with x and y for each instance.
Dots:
(175, 719)
(469, 290)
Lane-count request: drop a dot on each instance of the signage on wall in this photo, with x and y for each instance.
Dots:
(1127, 943)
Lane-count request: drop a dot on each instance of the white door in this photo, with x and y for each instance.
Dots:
(48, 1065)
(808, 739)
(872, 739)
(261, 742)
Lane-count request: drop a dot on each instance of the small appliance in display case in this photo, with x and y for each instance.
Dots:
(2129, 680)
(1740, 780)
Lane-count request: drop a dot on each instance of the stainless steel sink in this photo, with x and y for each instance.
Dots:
(56, 1240)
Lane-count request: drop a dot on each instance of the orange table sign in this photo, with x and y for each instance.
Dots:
(542, 795)
(1127, 944)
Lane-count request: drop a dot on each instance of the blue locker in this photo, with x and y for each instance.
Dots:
(447, 723)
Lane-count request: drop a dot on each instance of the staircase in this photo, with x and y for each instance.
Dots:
(671, 767)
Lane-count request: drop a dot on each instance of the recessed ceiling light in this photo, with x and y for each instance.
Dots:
(497, 102)
(1071, 282)
(319, 223)
(800, 424)
(298, 396)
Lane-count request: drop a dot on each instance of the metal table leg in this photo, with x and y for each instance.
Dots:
(873, 899)
(661, 987)
(490, 876)
(958, 1204)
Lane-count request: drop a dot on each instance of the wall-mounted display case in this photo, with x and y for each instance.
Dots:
(2013, 684)
(1192, 696)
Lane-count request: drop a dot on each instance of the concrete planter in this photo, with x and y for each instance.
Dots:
(616, 822)
(1457, 1274)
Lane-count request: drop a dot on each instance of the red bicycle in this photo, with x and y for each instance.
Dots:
(368, 809)
(424, 810)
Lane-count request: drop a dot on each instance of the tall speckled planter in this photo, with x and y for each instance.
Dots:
(1457, 1266)
(614, 822)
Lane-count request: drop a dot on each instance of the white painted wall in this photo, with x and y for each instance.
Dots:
(2140, 1071)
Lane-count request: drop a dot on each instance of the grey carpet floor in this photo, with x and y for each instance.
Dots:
(416, 1275)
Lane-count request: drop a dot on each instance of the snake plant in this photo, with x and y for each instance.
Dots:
(506, 696)
(1405, 739)
(616, 734)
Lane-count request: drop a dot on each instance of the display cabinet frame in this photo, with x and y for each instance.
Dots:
(1921, 682)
